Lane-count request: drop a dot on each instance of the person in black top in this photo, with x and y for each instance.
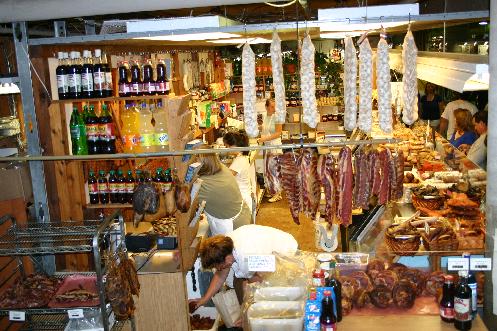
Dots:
(431, 106)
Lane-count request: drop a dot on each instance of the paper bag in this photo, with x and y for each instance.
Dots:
(227, 305)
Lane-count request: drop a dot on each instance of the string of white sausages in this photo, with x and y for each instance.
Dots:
(278, 79)
(409, 80)
(308, 84)
(350, 85)
(384, 87)
(365, 86)
(249, 94)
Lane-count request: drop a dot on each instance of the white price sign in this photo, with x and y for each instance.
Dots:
(17, 316)
(480, 263)
(75, 313)
(263, 263)
(457, 263)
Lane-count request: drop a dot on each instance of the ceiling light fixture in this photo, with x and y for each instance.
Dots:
(483, 23)
(192, 36)
(9, 88)
(237, 41)
(340, 35)
(341, 27)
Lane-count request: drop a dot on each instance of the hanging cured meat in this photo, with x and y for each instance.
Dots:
(278, 79)
(308, 84)
(375, 171)
(399, 166)
(350, 85)
(384, 87)
(346, 178)
(327, 174)
(291, 182)
(365, 86)
(311, 188)
(272, 173)
(249, 95)
(385, 159)
(363, 181)
(409, 80)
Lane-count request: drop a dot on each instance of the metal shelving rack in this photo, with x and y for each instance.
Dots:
(40, 239)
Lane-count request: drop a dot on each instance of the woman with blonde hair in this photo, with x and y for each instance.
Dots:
(225, 208)
(464, 132)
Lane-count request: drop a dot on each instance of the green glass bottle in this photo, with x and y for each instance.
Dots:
(78, 133)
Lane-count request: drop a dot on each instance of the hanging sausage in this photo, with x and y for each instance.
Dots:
(249, 95)
(350, 85)
(409, 80)
(365, 86)
(384, 87)
(308, 84)
(278, 79)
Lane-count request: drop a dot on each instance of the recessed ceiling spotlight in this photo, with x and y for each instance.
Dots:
(483, 23)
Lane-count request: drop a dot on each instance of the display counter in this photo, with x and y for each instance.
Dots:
(402, 322)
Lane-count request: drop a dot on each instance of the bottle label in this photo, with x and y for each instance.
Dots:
(474, 296)
(114, 187)
(130, 187)
(161, 86)
(166, 186)
(92, 130)
(75, 132)
(136, 87)
(93, 188)
(447, 312)
(121, 187)
(162, 139)
(99, 80)
(131, 142)
(108, 81)
(328, 327)
(462, 309)
(103, 188)
(147, 139)
(62, 83)
(74, 81)
(149, 87)
(123, 88)
(106, 130)
(87, 81)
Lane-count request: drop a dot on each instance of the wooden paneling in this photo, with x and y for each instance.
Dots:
(162, 305)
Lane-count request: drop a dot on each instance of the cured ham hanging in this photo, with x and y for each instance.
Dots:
(308, 84)
(409, 80)
(278, 79)
(327, 175)
(384, 87)
(350, 85)
(311, 188)
(365, 86)
(346, 182)
(249, 94)
(290, 182)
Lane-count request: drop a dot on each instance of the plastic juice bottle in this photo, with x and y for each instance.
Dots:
(328, 319)
(121, 183)
(146, 129)
(129, 130)
(99, 82)
(103, 187)
(87, 76)
(161, 129)
(113, 187)
(78, 134)
(130, 186)
(62, 73)
(148, 79)
(93, 188)
(74, 77)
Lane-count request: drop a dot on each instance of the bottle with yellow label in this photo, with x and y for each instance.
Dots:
(130, 133)
(161, 129)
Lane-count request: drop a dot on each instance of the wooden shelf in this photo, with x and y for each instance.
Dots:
(112, 99)
(110, 206)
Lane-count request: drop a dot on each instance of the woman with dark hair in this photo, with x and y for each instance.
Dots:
(463, 133)
(431, 105)
(477, 152)
(240, 167)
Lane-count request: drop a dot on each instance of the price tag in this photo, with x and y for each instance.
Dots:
(112, 320)
(480, 264)
(265, 263)
(75, 313)
(17, 316)
(457, 263)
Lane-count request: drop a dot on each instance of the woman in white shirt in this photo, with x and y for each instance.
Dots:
(241, 167)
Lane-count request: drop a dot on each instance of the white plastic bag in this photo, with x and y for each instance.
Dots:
(227, 305)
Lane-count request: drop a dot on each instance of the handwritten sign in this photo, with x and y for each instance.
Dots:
(263, 263)
(75, 313)
(479, 264)
(457, 263)
(17, 316)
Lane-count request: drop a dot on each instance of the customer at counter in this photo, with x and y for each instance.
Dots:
(448, 121)
(271, 136)
(229, 252)
(431, 106)
(225, 209)
(240, 167)
(477, 153)
(464, 133)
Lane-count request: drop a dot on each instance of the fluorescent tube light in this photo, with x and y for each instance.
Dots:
(237, 41)
(192, 36)
(363, 12)
(9, 88)
(343, 27)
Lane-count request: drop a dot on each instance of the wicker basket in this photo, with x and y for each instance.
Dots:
(432, 204)
(450, 244)
(404, 247)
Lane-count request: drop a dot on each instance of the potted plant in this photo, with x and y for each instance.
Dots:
(290, 61)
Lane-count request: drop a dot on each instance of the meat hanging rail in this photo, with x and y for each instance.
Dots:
(195, 151)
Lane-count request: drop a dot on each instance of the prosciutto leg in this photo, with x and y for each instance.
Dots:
(311, 188)
(384, 157)
(345, 186)
(326, 172)
(291, 182)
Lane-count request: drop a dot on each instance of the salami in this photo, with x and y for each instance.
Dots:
(278, 79)
(384, 87)
(249, 94)
(308, 84)
(409, 80)
(365, 86)
(384, 157)
(350, 85)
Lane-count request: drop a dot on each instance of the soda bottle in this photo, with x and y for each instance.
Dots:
(113, 187)
(130, 187)
(99, 82)
(109, 84)
(129, 131)
(161, 83)
(93, 188)
(148, 177)
(78, 133)
(62, 73)
(136, 82)
(74, 77)
(161, 129)
(103, 188)
(139, 177)
(447, 302)
(121, 181)
(147, 131)
(158, 178)
(473, 286)
(106, 132)
(328, 319)
(168, 181)
(87, 76)
(333, 282)
(92, 131)
(148, 79)
(124, 85)
(462, 303)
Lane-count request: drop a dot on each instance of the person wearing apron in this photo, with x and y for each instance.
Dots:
(271, 136)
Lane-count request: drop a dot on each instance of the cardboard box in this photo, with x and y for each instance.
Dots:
(16, 183)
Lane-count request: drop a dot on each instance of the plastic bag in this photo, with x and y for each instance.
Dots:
(227, 305)
(91, 320)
